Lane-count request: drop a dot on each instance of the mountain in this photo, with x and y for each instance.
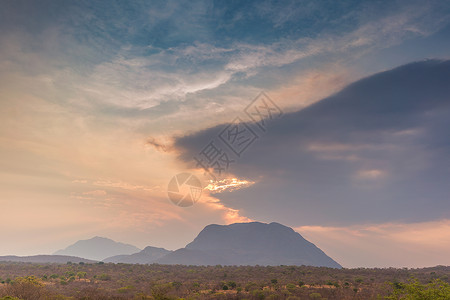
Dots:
(252, 243)
(147, 256)
(98, 248)
(59, 259)
(185, 256)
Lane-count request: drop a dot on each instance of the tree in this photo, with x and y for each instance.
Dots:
(436, 290)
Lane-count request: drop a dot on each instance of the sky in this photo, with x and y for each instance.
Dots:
(346, 106)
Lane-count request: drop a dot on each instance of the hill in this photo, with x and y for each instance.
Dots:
(147, 256)
(97, 248)
(252, 243)
(42, 259)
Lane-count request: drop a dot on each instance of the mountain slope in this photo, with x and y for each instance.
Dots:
(250, 244)
(97, 248)
(147, 256)
(185, 256)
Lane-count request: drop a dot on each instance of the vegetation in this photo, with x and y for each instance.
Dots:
(436, 289)
(124, 281)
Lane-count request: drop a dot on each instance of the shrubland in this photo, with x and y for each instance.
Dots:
(125, 281)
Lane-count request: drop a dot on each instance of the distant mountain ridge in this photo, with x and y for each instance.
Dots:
(97, 248)
(253, 243)
(147, 256)
(42, 259)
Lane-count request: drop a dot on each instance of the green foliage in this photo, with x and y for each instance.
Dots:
(31, 280)
(28, 287)
(315, 296)
(250, 286)
(104, 277)
(333, 283)
(160, 291)
(436, 290)
(232, 284)
(126, 289)
(291, 287)
(258, 294)
(195, 286)
(177, 284)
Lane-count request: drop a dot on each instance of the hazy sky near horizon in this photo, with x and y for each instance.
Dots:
(101, 103)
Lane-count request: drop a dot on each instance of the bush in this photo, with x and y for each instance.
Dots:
(26, 288)
(93, 293)
(436, 290)
(291, 287)
(126, 289)
(104, 277)
(177, 285)
(159, 292)
(250, 286)
(232, 284)
(258, 294)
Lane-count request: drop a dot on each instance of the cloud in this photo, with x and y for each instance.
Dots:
(186, 79)
(228, 185)
(384, 245)
(370, 174)
(121, 185)
(229, 215)
(375, 151)
(142, 62)
(160, 146)
(95, 193)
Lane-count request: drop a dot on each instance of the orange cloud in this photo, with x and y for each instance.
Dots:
(228, 184)
(388, 244)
